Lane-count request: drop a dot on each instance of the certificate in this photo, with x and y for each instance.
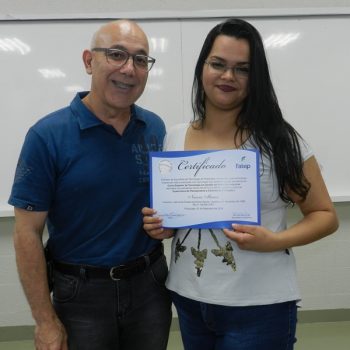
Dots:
(206, 189)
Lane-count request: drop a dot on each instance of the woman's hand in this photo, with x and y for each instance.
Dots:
(153, 225)
(255, 238)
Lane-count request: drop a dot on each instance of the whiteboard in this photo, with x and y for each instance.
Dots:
(41, 69)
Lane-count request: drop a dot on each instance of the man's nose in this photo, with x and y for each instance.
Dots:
(128, 66)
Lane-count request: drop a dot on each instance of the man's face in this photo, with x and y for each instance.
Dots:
(116, 88)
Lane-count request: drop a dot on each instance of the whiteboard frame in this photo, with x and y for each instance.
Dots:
(8, 211)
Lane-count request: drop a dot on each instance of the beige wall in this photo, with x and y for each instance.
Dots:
(323, 269)
(11, 9)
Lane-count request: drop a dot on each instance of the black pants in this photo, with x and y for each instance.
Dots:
(128, 314)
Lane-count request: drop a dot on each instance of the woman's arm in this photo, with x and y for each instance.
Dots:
(319, 219)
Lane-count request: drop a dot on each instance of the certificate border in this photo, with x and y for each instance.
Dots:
(211, 224)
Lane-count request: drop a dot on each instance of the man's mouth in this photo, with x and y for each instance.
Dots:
(121, 85)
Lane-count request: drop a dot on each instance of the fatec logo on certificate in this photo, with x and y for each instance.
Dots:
(165, 166)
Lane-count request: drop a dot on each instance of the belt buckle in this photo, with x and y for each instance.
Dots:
(112, 270)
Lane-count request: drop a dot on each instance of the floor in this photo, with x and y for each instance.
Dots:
(311, 336)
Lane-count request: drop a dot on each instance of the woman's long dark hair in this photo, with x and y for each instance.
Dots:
(261, 115)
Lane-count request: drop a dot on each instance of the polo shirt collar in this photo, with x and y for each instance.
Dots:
(87, 119)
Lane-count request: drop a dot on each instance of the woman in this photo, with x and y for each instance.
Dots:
(236, 288)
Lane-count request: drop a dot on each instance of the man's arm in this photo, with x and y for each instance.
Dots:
(49, 333)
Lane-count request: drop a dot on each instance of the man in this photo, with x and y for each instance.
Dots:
(83, 170)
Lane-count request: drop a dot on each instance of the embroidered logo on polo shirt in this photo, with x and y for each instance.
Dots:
(22, 170)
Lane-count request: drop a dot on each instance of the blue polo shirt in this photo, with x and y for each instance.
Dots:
(92, 181)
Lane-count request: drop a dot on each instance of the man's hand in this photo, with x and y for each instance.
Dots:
(50, 336)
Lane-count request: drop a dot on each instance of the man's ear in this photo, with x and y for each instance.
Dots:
(87, 58)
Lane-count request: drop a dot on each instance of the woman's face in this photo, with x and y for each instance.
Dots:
(226, 73)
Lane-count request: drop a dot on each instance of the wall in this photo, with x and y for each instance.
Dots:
(323, 271)
(13, 307)
(17, 9)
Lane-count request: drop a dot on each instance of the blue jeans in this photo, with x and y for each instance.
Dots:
(102, 314)
(208, 326)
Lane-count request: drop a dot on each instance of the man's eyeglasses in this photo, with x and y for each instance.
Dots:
(118, 58)
(239, 71)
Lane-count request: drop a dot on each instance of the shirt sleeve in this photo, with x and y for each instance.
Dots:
(34, 181)
(175, 138)
(305, 149)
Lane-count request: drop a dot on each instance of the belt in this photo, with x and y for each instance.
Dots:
(116, 272)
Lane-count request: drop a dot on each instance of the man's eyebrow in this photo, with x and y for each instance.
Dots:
(123, 48)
